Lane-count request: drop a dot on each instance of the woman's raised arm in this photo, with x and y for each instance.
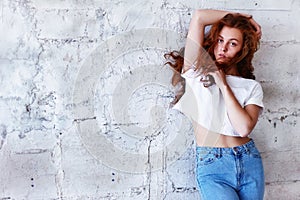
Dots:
(195, 37)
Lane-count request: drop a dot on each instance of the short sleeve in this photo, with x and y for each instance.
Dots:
(256, 96)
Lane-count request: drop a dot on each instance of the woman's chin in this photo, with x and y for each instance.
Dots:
(222, 62)
(221, 65)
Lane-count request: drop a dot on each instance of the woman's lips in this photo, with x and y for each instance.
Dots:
(221, 55)
(221, 58)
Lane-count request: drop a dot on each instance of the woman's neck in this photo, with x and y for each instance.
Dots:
(232, 70)
(228, 69)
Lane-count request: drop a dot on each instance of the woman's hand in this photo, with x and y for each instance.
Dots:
(255, 24)
(218, 77)
(257, 27)
(243, 119)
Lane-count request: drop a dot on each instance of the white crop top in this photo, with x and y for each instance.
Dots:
(206, 105)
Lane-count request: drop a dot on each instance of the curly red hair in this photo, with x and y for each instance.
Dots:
(250, 42)
(244, 58)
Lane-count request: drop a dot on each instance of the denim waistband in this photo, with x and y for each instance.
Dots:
(228, 150)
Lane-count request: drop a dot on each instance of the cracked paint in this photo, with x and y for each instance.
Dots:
(44, 44)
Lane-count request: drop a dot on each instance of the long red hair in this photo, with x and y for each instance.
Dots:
(244, 58)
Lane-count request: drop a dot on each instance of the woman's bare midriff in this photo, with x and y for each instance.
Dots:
(208, 138)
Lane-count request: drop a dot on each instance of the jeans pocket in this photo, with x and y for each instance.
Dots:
(253, 152)
(206, 158)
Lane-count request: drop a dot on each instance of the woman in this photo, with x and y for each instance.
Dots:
(223, 101)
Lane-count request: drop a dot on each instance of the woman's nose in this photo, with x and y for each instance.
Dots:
(224, 48)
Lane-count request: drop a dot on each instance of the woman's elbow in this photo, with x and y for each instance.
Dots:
(198, 15)
(244, 134)
(246, 127)
(245, 131)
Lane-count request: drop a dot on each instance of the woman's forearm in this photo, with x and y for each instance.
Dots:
(242, 119)
(195, 37)
(208, 17)
(200, 19)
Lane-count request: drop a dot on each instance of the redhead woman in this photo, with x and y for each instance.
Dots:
(223, 101)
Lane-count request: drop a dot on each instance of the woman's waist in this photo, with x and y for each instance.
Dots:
(248, 147)
(206, 138)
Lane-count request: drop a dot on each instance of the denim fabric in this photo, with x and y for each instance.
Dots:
(230, 173)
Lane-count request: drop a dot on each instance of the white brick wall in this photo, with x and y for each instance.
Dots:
(83, 101)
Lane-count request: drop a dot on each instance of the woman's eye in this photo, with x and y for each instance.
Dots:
(233, 44)
(220, 40)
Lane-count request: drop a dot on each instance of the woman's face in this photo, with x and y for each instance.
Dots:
(230, 42)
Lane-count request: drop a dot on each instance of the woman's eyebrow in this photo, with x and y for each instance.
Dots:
(235, 39)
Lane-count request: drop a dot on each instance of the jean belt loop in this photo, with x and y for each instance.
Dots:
(246, 148)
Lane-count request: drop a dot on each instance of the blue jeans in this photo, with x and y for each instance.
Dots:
(230, 173)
